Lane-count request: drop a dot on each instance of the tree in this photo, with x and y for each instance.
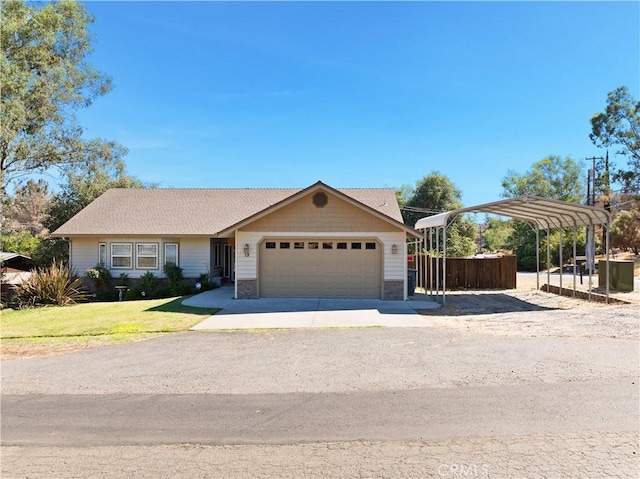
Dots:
(27, 209)
(625, 230)
(619, 125)
(21, 242)
(496, 234)
(552, 178)
(435, 193)
(46, 78)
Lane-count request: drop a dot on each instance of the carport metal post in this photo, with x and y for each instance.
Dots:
(560, 262)
(444, 263)
(548, 260)
(607, 245)
(591, 237)
(430, 260)
(575, 241)
(437, 264)
(537, 257)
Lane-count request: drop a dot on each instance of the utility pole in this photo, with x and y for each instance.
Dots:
(591, 199)
(593, 179)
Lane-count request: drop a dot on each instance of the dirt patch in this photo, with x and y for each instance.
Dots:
(534, 314)
(24, 348)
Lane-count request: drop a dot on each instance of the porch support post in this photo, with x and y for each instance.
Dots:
(235, 261)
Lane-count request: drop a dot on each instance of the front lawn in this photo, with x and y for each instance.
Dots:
(56, 329)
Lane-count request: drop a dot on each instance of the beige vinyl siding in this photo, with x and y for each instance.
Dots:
(247, 266)
(336, 215)
(193, 255)
(395, 265)
(84, 254)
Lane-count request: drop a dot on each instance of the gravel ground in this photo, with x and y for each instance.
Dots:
(534, 314)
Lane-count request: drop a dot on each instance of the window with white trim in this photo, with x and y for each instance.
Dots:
(102, 254)
(171, 253)
(121, 255)
(147, 256)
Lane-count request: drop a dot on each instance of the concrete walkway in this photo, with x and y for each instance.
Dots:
(266, 313)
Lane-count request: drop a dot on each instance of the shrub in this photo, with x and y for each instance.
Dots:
(185, 289)
(100, 277)
(134, 293)
(163, 292)
(106, 295)
(207, 285)
(53, 285)
(123, 279)
(149, 284)
(174, 275)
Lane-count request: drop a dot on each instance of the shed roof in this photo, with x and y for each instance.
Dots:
(542, 212)
(196, 212)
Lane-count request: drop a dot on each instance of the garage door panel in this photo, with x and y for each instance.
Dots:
(333, 269)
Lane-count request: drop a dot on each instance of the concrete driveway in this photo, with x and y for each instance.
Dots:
(267, 313)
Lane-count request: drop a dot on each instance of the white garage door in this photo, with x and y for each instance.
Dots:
(320, 268)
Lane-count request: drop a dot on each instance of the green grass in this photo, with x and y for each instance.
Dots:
(73, 327)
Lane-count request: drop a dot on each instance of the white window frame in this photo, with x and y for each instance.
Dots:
(177, 246)
(130, 256)
(155, 256)
(102, 254)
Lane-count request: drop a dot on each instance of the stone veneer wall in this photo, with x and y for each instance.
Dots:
(393, 289)
(247, 288)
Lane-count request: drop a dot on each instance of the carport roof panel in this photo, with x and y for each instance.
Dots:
(542, 212)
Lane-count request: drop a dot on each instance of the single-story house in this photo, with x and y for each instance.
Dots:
(311, 242)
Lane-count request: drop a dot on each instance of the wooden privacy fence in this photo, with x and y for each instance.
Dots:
(468, 273)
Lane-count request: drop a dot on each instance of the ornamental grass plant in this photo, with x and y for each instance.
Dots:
(53, 285)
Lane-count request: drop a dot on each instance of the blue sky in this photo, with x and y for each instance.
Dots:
(359, 94)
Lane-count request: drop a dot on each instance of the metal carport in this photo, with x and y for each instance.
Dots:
(540, 213)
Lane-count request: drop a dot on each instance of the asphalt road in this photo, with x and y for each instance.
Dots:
(423, 414)
(425, 402)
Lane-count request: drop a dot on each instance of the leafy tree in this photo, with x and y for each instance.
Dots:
(497, 233)
(625, 230)
(435, 193)
(619, 125)
(552, 178)
(46, 78)
(26, 210)
(22, 242)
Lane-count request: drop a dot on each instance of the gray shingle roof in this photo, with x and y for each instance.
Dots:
(186, 212)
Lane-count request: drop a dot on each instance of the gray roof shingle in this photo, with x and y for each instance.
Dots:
(193, 212)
